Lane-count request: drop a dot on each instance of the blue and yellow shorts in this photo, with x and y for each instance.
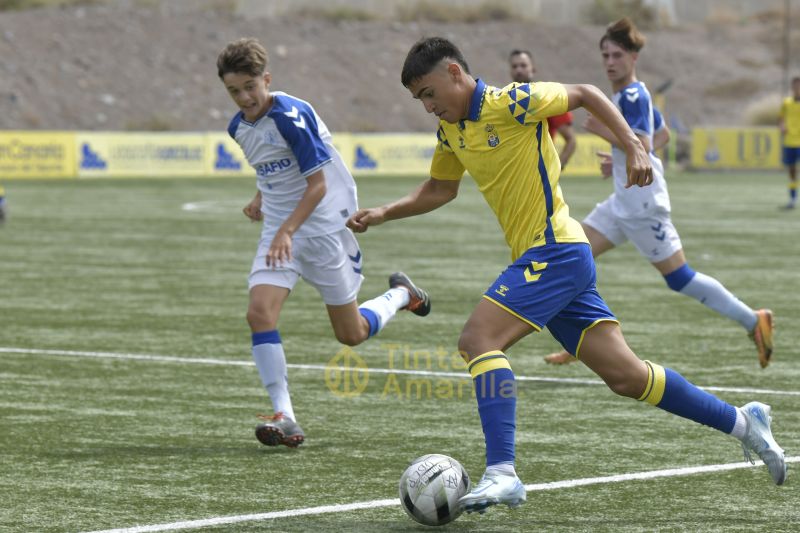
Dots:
(553, 286)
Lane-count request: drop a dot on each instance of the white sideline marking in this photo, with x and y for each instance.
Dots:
(214, 206)
(374, 504)
(432, 373)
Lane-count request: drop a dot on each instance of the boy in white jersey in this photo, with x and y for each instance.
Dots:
(642, 215)
(305, 195)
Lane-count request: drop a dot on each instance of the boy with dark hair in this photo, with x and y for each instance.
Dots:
(497, 134)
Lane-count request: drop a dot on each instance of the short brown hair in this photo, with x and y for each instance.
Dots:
(245, 56)
(624, 33)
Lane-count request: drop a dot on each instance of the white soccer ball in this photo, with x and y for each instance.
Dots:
(430, 488)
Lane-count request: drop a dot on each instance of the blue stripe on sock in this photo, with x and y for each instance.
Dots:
(496, 393)
(266, 337)
(372, 319)
(689, 401)
(677, 279)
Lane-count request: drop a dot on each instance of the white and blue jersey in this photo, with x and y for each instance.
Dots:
(285, 146)
(636, 106)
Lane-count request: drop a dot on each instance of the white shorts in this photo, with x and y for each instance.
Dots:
(654, 235)
(330, 263)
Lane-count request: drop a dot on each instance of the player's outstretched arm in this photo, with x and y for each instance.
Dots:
(427, 197)
(640, 170)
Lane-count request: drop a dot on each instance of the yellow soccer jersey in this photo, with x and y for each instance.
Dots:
(790, 113)
(505, 146)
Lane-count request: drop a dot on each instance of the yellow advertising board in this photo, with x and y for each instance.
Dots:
(390, 154)
(141, 154)
(343, 142)
(224, 157)
(736, 148)
(584, 161)
(410, 154)
(47, 154)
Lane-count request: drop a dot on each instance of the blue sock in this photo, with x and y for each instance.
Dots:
(372, 319)
(793, 192)
(668, 390)
(496, 391)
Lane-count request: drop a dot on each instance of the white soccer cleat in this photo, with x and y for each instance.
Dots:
(758, 438)
(493, 489)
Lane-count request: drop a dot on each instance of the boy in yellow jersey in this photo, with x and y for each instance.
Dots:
(499, 135)
(790, 133)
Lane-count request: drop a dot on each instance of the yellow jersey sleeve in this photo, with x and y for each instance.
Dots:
(790, 113)
(534, 102)
(445, 164)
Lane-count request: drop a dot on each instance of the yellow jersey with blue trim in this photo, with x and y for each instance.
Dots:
(504, 145)
(790, 113)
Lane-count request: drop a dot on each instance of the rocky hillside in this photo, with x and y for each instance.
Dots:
(149, 65)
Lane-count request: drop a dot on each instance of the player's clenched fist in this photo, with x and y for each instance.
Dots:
(253, 209)
(364, 218)
(640, 169)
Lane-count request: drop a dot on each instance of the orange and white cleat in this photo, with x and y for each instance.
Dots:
(419, 302)
(762, 336)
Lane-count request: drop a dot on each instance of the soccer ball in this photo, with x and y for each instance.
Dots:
(430, 488)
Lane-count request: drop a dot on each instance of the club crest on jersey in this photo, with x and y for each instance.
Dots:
(461, 142)
(270, 137)
(492, 138)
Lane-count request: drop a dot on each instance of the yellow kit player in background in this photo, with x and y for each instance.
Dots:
(790, 135)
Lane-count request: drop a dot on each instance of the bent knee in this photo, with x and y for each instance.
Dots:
(350, 338)
(260, 319)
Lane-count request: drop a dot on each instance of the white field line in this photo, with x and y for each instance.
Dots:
(374, 504)
(413, 372)
(215, 206)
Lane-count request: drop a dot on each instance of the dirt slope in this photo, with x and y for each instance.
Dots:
(139, 67)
